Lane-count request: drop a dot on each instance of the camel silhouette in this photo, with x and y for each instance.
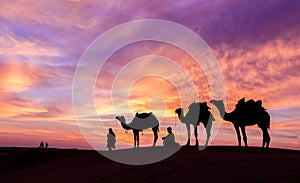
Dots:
(139, 123)
(198, 112)
(247, 114)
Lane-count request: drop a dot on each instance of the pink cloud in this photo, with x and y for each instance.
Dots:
(41, 42)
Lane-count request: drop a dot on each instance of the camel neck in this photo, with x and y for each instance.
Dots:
(226, 116)
(221, 109)
(180, 114)
(125, 126)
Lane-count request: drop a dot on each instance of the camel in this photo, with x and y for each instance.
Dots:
(247, 114)
(139, 123)
(198, 112)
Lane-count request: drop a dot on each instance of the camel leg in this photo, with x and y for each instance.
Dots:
(155, 135)
(266, 139)
(188, 133)
(136, 138)
(263, 142)
(196, 135)
(238, 135)
(208, 129)
(244, 137)
(263, 145)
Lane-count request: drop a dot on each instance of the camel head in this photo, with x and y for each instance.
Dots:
(178, 110)
(121, 119)
(221, 107)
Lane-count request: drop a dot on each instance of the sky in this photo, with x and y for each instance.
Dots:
(41, 43)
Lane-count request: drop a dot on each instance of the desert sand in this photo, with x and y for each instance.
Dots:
(214, 164)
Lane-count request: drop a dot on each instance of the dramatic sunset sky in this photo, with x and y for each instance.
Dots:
(256, 42)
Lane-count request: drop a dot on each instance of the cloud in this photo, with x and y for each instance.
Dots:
(17, 77)
(285, 114)
(13, 45)
(28, 92)
(55, 13)
(41, 42)
(269, 70)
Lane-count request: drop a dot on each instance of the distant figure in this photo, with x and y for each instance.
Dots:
(140, 122)
(46, 145)
(111, 139)
(42, 145)
(169, 140)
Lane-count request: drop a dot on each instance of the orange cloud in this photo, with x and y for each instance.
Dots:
(41, 43)
(16, 77)
(265, 71)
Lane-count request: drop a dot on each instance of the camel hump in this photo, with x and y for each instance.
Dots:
(143, 121)
(143, 115)
(194, 106)
(197, 106)
(250, 102)
(204, 106)
(253, 105)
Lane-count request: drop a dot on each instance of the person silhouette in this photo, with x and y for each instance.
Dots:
(46, 145)
(42, 145)
(111, 139)
(169, 140)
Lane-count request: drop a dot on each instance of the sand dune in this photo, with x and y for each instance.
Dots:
(214, 164)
